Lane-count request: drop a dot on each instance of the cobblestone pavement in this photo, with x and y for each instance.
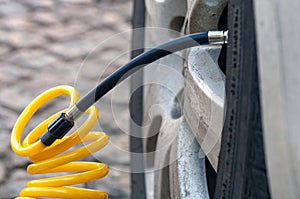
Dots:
(43, 44)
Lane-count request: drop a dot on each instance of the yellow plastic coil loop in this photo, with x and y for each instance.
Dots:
(58, 157)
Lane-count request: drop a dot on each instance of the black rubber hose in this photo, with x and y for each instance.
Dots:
(140, 61)
(58, 130)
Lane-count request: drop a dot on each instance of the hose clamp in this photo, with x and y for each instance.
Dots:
(217, 37)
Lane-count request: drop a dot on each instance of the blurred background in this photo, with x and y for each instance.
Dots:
(53, 42)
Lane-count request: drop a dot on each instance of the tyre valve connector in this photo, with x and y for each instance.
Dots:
(217, 37)
(61, 126)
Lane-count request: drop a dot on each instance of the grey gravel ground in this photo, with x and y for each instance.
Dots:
(44, 44)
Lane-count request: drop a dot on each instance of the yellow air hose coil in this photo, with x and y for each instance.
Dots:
(56, 158)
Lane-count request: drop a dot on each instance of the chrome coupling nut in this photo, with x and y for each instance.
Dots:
(217, 37)
(73, 113)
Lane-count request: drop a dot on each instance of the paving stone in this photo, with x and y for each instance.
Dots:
(42, 44)
(8, 116)
(106, 59)
(4, 144)
(16, 161)
(17, 39)
(98, 38)
(109, 20)
(12, 8)
(123, 8)
(107, 41)
(71, 50)
(11, 188)
(10, 74)
(91, 13)
(45, 18)
(15, 98)
(67, 12)
(90, 73)
(72, 13)
(19, 174)
(18, 23)
(77, 1)
(4, 49)
(3, 173)
(35, 59)
(64, 32)
(33, 4)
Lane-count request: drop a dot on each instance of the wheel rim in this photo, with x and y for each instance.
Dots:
(181, 180)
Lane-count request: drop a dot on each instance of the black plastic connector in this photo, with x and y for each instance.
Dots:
(57, 130)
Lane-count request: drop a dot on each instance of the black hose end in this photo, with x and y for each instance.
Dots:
(47, 139)
(57, 130)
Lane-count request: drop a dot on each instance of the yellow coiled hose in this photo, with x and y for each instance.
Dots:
(56, 158)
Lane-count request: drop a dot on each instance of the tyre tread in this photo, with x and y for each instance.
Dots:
(242, 169)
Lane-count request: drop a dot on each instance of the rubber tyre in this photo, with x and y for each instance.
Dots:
(242, 169)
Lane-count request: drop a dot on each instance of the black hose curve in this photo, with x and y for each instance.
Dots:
(140, 61)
